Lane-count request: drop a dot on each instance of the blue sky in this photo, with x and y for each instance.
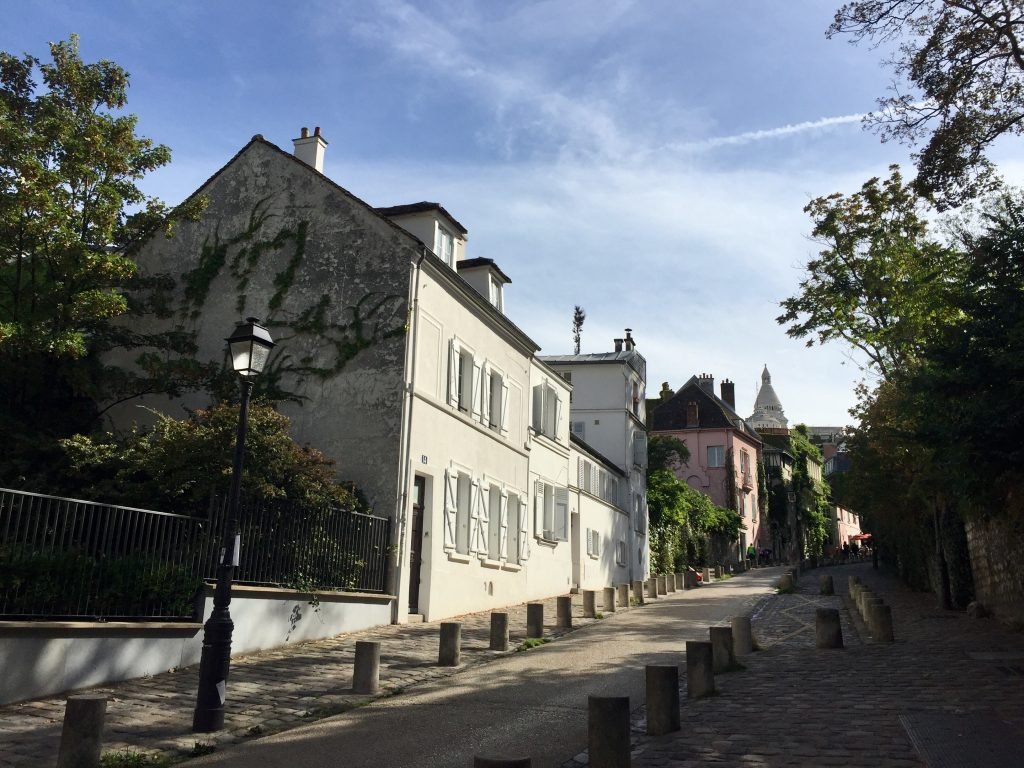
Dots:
(648, 160)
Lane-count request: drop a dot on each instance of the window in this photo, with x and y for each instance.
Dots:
(463, 379)
(743, 505)
(494, 399)
(716, 455)
(620, 552)
(498, 506)
(547, 410)
(597, 481)
(579, 428)
(640, 449)
(639, 513)
(551, 512)
(494, 290)
(636, 398)
(692, 414)
(459, 490)
(518, 535)
(444, 246)
(463, 502)
(593, 543)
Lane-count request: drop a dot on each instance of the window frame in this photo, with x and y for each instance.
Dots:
(721, 456)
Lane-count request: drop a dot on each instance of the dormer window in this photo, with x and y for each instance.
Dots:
(444, 246)
(494, 293)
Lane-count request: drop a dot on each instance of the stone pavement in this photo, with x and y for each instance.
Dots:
(795, 705)
(267, 692)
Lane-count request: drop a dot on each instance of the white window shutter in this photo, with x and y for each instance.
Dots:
(450, 509)
(524, 535)
(538, 507)
(483, 521)
(485, 396)
(474, 400)
(538, 408)
(504, 408)
(453, 373)
(562, 514)
(503, 527)
(579, 474)
(474, 518)
(558, 415)
(590, 542)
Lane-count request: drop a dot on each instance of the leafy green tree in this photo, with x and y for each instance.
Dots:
(880, 283)
(964, 64)
(71, 214)
(179, 464)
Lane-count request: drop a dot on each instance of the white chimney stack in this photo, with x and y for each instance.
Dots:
(310, 149)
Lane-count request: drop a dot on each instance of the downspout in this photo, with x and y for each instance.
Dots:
(404, 460)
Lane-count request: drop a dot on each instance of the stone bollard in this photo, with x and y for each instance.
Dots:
(662, 585)
(786, 583)
(638, 592)
(742, 637)
(366, 670)
(535, 619)
(670, 582)
(828, 633)
(863, 595)
(700, 669)
(719, 571)
(623, 595)
(851, 582)
(723, 657)
(479, 761)
(608, 738)
(882, 619)
(825, 586)
(680, 581)
(589, 604)
(563, 611)
(689, 579)
(652, 588)
(81, 738)
(869, 617)
(499, 632)
(707, 575)
(662, 699)
(450, 650)
(609, 599)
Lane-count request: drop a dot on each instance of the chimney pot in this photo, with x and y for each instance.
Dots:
(316, 131)
(304, 133)
(618, 345)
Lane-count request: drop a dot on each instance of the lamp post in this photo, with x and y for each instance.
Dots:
(249, 347)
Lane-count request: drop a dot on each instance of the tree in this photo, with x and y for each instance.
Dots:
(71, 214)
(964, 62)
(578, 316)
(880, 282)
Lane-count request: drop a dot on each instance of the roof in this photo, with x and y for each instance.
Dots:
(586, 448)
(482, 262)
(630, 357)
(712, 412)
(421, 207)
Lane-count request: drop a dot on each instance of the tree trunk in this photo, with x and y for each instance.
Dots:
(945, 602)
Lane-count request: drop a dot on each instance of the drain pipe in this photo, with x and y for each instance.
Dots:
(405, 460)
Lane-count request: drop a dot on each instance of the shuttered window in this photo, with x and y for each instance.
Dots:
(551, 512)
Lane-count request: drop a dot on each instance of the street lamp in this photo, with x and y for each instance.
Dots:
(249, 347)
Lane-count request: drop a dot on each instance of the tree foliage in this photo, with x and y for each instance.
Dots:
(964, 64)
(578, 316)
(71, 214)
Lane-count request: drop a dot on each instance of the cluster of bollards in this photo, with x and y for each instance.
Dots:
(873, 610)
(609, 739)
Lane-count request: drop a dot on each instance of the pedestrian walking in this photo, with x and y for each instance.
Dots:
(751, 555)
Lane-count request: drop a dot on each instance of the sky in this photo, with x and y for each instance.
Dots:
(648, 160)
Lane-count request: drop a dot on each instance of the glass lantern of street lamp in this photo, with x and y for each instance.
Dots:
(250, 347)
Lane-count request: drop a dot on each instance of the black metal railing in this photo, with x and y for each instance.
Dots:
(69, 558)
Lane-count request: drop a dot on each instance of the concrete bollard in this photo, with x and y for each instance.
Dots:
(450, 650)
(869, 617)
(652, 588)
(608, 738)
(609, 599)
(700, 669)
(638, 592)
(623, 595)
(719, 571)
(742, 637)
(825, 586)
(722, 655)
(828, 633)
(863, 595)
(680, 582)
(366, 670)
(535, 619)
(670, 582)
(689, 579)
(480, 761)
(882, 619)
(563, 611)
(851, 582)
(81, 738)
(662, 699)
(499, 632)
(786, 582)
(662, 582)
(589, 604)
(707, 574)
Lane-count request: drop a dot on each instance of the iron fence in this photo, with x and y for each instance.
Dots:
(69, 558)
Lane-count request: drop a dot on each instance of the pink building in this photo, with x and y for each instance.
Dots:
(723, 451)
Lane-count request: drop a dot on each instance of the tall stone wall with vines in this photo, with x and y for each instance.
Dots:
(328, 278)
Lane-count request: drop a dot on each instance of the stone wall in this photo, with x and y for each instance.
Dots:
(996, 561)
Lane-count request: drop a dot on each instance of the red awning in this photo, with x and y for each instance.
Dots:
(860, 536)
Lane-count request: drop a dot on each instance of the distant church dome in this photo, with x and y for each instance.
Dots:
(768, 413)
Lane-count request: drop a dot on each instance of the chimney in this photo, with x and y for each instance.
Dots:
(706, 382)
(629, 340)
(310, 149)
(618, 345)
(729, 393)
(665, 393)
